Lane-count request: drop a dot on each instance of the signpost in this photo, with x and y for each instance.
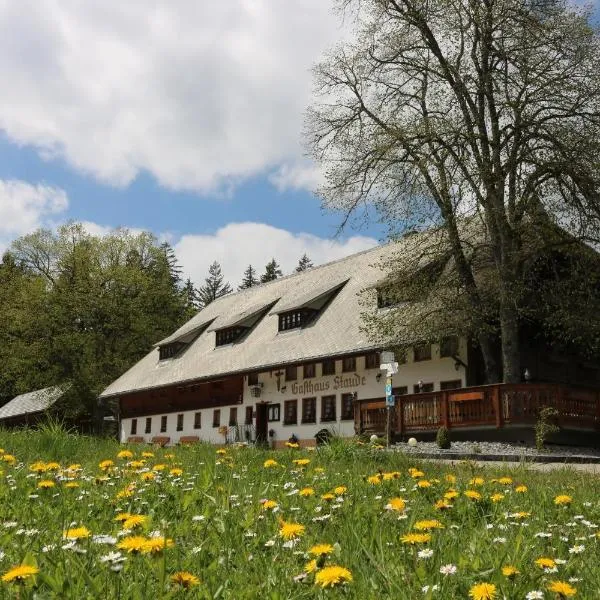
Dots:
(388, 365)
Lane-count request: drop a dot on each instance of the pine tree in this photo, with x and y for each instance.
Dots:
(272, 271)
(304, 263)
(250, 279)
(174, 266)
(214, 287)
(190, 296)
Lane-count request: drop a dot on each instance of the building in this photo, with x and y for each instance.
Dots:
(29, 408)
(283, 359)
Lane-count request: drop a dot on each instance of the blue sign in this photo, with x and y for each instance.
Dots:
(390, 400)
(388, 389)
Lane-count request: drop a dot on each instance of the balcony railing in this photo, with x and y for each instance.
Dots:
(483, 406)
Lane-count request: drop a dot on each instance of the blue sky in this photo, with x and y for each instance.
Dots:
(182, 118)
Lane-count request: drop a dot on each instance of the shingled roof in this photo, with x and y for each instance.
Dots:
(335, 332)
(31, 402)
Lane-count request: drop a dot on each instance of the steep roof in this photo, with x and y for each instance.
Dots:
(31, 402)
(336, 331)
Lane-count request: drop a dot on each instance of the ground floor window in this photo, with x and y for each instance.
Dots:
(133, 426)
(400, 391)
(290, 412)
(424, 387)
(216, 418)
(347, 407)
(197, 420)
(328, 408)
(233, 416)
(451, 385)
(148, 425)
(273, 412)
(249, 411)
(163, 424)
(180, 422)
(309, 410)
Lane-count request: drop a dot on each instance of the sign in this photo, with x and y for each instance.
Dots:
(390, 400)
(391, 368)
(387, 357)
(388, 389)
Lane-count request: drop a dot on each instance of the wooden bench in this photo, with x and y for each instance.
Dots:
(135, 439)
(189, 439)
(161, 440)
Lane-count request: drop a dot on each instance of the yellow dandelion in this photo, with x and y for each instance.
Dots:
(306, 492)
(563, 500)
(427, 525)
(125, 454)
(106, 465)
(148, 476)
(221, 452)
(269, 504)
(19, 573)
(176, 472)
(496, 497)
(451, 494)
(332, 575)
(45, 484)
(136, 464)
(442, 505)
(396, 504)
(9, 458)
(184, 579)
(521, 489)
(510, 571)
(269, 463)
(423, 483)
(159, 468)
(321, 549)
(545, 563)
(340, 490)
(374, 479)
(132, 544)
(77, 533)
(169, 456)
(310, 566)
(133, 521)
(505, 481)
(148, 454)
(450, 478)
(154, 545)
(38, 467)
(290, 531)
(522, 514)
(562, 588)
(301, 462)
(121, 517)
(483, 591)
(328, 497)
(472, 495)
(477, 481)
(319, 470)
(71, 484)
(391, 475)
(126, 493)
(415, 538)
(416, 474)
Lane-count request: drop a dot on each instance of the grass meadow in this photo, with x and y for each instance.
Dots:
(88, 518)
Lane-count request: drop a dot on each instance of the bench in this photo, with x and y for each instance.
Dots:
(135, 439)
(161, 440)
(189, 439)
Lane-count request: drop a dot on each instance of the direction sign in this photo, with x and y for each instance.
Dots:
(390, 400)
(387, 357)
(390, 368)
(388, 389)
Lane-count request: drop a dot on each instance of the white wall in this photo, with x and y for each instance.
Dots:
(434, 371)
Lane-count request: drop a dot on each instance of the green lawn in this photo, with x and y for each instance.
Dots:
(201, 527)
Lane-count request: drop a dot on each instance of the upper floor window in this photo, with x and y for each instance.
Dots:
(372, 360)
(229, 335)
(329, 367)
(308, 371)
(422, 352)
(169, 350)
(253, 379)
(449, 347)
(294, 319)
(348, 364)
(291, 373)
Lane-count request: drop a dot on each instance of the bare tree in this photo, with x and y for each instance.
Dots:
(448, 111)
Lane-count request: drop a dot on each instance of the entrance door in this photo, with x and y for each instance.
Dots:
(261, 423)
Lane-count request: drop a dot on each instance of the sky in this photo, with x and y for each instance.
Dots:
(179, 117)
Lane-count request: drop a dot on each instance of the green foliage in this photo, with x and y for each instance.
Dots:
(443, 438)
(249, 278)
(272, 271)
(304, 263)
(544, 426)
(214, 286)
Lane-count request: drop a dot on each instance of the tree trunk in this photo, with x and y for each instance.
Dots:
(509, 334)
(490, 362)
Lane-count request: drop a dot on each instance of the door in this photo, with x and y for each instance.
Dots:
(261, 423)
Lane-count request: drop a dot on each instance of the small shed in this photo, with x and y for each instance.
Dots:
(27, 408)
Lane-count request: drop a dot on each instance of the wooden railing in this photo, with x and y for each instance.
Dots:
(483, 406)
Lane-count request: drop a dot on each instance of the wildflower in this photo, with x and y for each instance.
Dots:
(270, 463)
(148, 454)
(374, 479)
(301, 462)
(159, 468)
(423, 483)
(396, 504)
(483, 591)
(77, 533)
(415, 473)
(9, 458)
(132, 544)
(328, 497)
(125, 454)
(521, 489)
(106, 465)
(505, 481)
(19, 573)
(415, 538)
(510, 571)
(340, 490)
(448, 569)
(496, 497)
(38, 467)
(473, 495)
(176, 472)
(71, 484)
(269, 504)
(292, 445)
(563, 500)
(121, 517)
(563, 589)
(391, 475)
(427, 553)
(290, 531)
(305, 492)
(451, 494)
(136, 464)
(154, 545)
(184, 579)
(321, 550)
(148, 476)
(450, 478)
(577, 549)
(534, 595)
(427, 525)
(133, 521)
(46, 484)
(310, 566)
(332, 575)
(545, 563)
(477, 481)
(442, 505)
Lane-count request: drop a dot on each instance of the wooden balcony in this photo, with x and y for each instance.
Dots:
(488, 406)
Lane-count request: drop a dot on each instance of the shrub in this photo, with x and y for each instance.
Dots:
(443, 438)
(544, 427)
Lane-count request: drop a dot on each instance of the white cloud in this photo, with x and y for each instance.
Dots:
(297, 175)
(237, 245)
(199, 94)
(24, 207)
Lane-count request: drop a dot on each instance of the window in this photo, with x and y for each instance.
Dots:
(233, 416)
(169, 350)
(449, 347)
(148, 428)
(273, 413)
(372, 360)
(308, 371)
(133, 426)
(422, 352)
(328, 408)
(451, 385)
(291, 373)
(179, 422)
(309, 410)
(347, 407)
(329, 367)
(348, 364)
(197, 420)
(401, 357)
(253, 379)
(425, 387)
(163, 424)
(216, 418)
(229, 335)
(400, 391)
(249, 415)
(290, 412)
(294, 319)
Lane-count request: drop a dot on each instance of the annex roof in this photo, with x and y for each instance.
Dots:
(336, 331)
(31, 402)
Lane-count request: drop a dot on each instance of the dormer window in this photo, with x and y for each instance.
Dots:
(229, 335)
(177, 343)
(296, 318)
(235, 328)
(170, 350)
